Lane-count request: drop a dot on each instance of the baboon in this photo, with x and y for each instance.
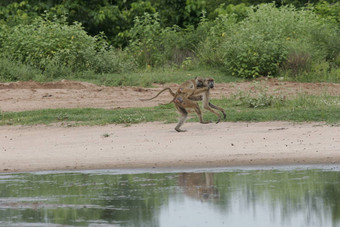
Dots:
(205, 98)
(182, 101)
(186, 97)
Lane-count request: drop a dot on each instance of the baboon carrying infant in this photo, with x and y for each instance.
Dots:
(186, 97)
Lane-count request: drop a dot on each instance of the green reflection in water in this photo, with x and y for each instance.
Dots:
(277, 197)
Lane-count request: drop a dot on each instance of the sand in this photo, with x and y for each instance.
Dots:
(158, 145)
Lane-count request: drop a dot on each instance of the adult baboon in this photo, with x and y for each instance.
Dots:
(182, 100)
(205, 98)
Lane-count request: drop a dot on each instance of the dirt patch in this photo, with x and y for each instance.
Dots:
(30, 95)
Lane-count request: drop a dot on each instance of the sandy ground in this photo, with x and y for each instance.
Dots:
(155, 145)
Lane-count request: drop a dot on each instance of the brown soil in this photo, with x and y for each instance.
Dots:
(21, 96)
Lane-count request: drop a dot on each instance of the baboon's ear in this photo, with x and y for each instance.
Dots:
(195, 77)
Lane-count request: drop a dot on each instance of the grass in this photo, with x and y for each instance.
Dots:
(145, 78)
(330, 77)
(301, 108)
(141, 78)
(243, 106)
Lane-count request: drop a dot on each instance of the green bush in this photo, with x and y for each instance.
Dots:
(152, 45)
(268, 39)
(45, 41)
(239, 11)
(13, 71)
(244, 41)
(58, 49)
(328, 11)
(258, 97)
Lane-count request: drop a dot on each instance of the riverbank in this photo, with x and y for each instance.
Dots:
(156, 145)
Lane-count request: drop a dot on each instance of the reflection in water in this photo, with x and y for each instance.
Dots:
(232, 197)
(198, 185)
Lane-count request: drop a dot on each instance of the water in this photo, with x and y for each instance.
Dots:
(280, 196)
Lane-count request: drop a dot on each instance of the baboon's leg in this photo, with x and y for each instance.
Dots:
(218, 108)
(207, 107)
(199, 113)
(184, 115)
(187, 103)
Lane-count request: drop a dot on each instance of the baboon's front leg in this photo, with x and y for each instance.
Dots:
(199, 114)
(207, 107)
(218, 108)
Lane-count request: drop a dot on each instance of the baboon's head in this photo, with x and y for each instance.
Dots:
(199, 82)
(178, 100)
(210, 82)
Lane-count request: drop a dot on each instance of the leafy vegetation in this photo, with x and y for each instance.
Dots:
(271, 40)
(147, 77)
(73, 39)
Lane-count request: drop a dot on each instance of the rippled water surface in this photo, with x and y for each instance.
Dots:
(284, 196)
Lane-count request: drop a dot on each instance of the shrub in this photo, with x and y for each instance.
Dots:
(269, 38)
(152, 45)
(43, 41)
(239, 11)
(296, 63)
(58, 49)
(328, 11)
(12, 71)
(258, 97)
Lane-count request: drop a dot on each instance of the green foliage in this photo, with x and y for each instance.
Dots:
(44, 42)
(18, 13)
(70, 39)
(267, 39)
(58, 50)
(239, 11)
(152, 45)
(14, 71)
(161, 76)
(328, 11)
(258, 98)
(145, 39)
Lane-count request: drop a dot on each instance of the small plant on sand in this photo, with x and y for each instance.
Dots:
(258, 97)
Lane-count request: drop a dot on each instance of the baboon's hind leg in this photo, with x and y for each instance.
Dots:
(184, 115)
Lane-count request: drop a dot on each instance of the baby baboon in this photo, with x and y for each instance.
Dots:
(188, 87)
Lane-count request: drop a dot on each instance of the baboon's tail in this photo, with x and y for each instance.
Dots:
(167, 88)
